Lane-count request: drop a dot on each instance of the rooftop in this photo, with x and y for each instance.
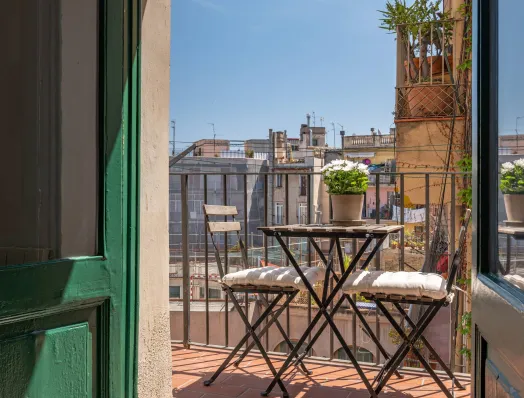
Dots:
(334, 379)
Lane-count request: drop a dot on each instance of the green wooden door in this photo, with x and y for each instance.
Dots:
(69, 201)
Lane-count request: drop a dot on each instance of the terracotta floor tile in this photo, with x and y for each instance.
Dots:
(192, 367)
(186, 394)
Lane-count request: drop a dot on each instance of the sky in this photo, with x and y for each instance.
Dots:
(253, 65)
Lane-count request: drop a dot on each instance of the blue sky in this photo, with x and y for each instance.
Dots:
(252, 65)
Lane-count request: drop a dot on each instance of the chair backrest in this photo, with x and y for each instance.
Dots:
(225, 226)
(457, 257)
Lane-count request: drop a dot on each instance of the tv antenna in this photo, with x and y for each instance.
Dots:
(334, 135)
(214, 138)
(321, 120)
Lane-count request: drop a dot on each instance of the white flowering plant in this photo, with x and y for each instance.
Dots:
(512, 177)
(344, 177)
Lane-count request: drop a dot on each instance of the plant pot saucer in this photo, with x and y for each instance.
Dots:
(348, 223)
(516, 224)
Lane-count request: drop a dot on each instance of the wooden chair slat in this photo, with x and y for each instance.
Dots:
(224, 226)
(218, 210)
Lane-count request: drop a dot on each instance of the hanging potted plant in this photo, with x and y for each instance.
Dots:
(512, 186)
(426, 33)
(347, 182)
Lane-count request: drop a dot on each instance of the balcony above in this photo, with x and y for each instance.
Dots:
(430, 83)
(369, 141)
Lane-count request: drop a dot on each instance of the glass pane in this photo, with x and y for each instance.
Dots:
(48, 150)
(511, 144)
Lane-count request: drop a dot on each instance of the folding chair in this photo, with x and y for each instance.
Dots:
(282, 281)
(425, 289)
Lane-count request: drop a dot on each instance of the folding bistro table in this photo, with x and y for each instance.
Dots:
(334, 234)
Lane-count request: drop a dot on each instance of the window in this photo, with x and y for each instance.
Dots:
(279, 211)
(302, 213)
(303, 185)
(509, 107)
(363, 355)
(278, 180)
(174, 292)
(213, 293)
(315, 142)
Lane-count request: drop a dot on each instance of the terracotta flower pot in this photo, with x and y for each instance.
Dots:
(347, 208)
(514, 204)
(435, 65)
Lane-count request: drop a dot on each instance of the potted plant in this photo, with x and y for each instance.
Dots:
(512, 186)
(426, 33)
(347, 182)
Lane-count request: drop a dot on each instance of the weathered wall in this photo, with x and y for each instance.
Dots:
(154, 349)
(422, 147)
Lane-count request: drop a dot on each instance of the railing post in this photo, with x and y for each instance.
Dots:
(185, 259)
(226, 265)
(206, 264)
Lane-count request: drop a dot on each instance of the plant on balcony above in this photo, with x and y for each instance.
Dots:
(425, 30)
(347, 182)
(512, 186)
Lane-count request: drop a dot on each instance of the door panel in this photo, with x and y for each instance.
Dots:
(68, 211)
(51, 363)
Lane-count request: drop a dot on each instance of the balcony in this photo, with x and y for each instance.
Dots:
(369, 141)
(209, 324)
(429, 80)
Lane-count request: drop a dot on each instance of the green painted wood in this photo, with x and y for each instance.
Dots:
(87, 306)
(51, 363)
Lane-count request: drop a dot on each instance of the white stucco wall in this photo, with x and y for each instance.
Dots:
(154, 348)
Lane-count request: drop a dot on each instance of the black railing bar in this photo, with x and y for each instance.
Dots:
(206, 265)
(185, 262)
(309, 192)
(377, 266)
(246, 227)
(354, 248)
(226, 268)
(266, 249)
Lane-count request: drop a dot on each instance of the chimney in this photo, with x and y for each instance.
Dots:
(342, 134)
(308, 116)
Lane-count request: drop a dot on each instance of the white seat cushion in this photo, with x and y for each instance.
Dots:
(274, 277)
(400, 283)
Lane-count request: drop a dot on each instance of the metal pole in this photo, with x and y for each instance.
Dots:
(185, 260)
(226, 323)
(246, 296)
(206, 254)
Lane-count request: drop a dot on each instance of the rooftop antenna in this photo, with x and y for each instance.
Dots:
(214, 138)
(173, 125)
(314, 119)
(321, 121)
(334, 135)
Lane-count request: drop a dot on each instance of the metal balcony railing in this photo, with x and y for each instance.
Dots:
(427, 79)
(430, 101)
(208, 318)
